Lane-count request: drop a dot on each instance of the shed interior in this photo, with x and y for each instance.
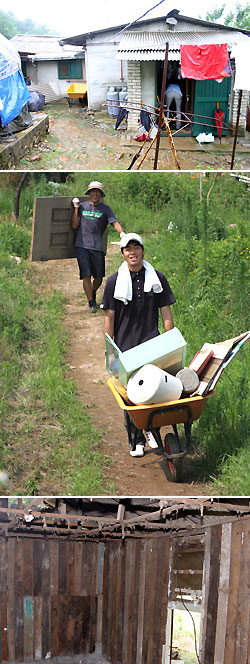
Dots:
(104, 576)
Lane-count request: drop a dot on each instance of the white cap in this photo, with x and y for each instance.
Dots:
(129, 237)
(95, 185)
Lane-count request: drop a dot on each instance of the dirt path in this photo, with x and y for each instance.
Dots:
(126, 475)
(80, 140)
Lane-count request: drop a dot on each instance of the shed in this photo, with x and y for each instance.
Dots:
(141, 50)
(48, 66)
(104, 575)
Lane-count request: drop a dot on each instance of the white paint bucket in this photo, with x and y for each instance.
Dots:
(153, 385)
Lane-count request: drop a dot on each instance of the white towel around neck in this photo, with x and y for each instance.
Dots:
(123, 284)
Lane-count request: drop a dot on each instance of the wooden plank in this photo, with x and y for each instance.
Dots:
(45, 567)
(99, 592)
(232, 613)
(37, 609)
(149, 627)
(55, 618)
(19, 603)
(86, 582)
(135, 598)
(54, 565)
(70, 627)
(223, 591)
(37, 565)
(111, 636)
(3, 566)
(241, 650)
(11, 599)
(93, 622)
(27, 629)
(27, 554)
(19, 627)
(78, 617)
(70, 569)
(120, 579)
(141, 602)
(105, 599)
(210, 592)
(78, 568)
(161, 592)
(3, 630)
(127, 627)
(62, 568)
(62, 631)
(46, 626)
(147, 597)
(86, 624)
(117, 627)
(3, 599)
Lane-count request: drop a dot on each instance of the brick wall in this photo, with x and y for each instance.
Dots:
(134, 93)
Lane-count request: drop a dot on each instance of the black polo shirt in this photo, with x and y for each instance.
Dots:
(136, 321)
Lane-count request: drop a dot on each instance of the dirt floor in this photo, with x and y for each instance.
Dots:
(129, 476)
(83, 140)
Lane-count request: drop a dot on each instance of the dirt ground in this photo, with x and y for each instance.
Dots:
(129, 476)
(83, 140)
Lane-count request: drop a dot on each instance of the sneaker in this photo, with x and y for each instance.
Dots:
(138, 452)
(151, 439)
(92, 309)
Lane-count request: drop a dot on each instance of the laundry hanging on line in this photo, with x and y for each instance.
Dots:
(241, 53)
(205, 61)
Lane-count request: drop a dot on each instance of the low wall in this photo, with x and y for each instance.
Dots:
(13, 149)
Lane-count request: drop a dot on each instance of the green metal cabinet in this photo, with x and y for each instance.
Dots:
(206, 96)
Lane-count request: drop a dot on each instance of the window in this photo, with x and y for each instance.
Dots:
(70, 69)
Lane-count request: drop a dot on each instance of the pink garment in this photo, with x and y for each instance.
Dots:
(206, 61)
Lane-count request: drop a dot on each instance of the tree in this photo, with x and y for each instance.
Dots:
(11, 26)
(239, 18)
(8, 28)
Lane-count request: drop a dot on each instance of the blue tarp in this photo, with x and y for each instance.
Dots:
(13, 95)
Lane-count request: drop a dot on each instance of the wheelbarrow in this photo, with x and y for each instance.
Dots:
(152, 417)
(76, 91)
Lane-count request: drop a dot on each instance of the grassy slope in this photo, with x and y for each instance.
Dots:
(38, 402)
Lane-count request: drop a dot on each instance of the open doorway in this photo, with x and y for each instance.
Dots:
(182, 635)
(187, 90)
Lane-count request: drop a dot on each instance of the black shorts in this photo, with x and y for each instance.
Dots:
(91, 263)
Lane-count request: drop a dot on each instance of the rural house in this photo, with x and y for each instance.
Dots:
(135, 57)
(105, 576)
(50, 67)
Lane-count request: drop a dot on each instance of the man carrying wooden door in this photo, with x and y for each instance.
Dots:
(91, 218)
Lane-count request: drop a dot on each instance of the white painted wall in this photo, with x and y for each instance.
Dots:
(46, 71)
(102, 68)
(148, 82)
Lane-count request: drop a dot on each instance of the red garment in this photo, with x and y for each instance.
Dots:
(204, 62)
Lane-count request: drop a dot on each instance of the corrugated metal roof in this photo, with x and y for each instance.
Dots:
(151, 45)
(44, 47)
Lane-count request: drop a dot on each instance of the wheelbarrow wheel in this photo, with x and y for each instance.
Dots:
(174, 466)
